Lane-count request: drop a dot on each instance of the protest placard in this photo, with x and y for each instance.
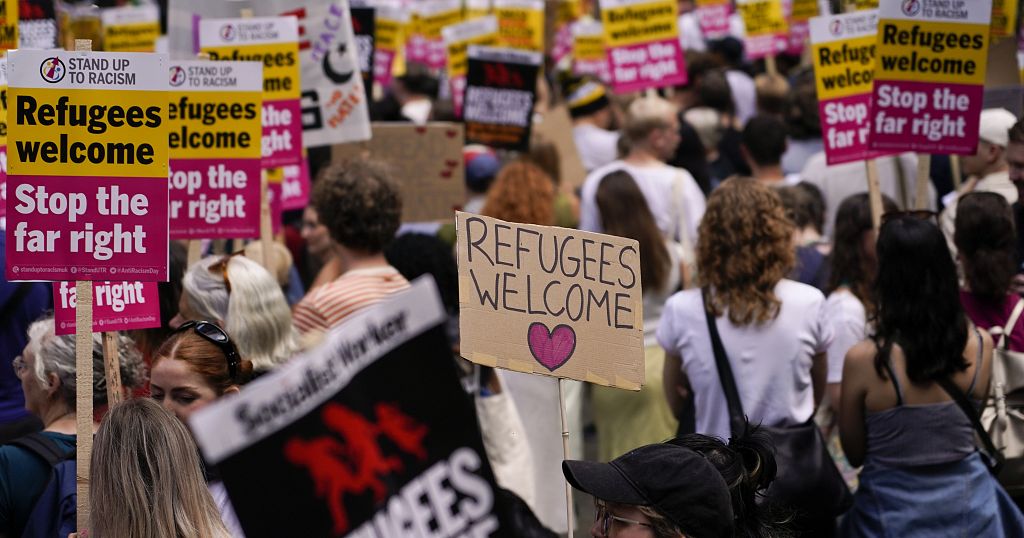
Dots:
(215, 150)
(388, 31)
(295, 186)
(567, 12)
(501, 90)
(556, 127)
(551, 301)
(434, 16)
(798, 15)
(370, 434)
(3, 141)
(130, 28)
(713, 17)
(274, 42)
(642, 37)
(458, 38)
(425, 161)
(116, 306)
(861, 5)
(8, 24)
(37, 24)
(364, 32)
(478, 8)
(589, 56)
(520, 24)
(1004, 18)
(844, 60)
(765, 27)
(929, 76)
(87, 174)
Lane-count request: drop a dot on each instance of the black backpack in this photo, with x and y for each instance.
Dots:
(55, 511)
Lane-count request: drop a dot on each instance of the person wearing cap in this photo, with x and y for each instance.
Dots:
(591, 114)
(986, 170)
(660, 491)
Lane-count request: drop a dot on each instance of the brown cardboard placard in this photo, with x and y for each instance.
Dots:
(426, 162)
(550, 301)
(556, 127)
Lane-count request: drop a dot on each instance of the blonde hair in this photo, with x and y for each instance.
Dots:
(708, 124)
(661, 526)
(255, 313)
(145, 480)
(645, 115)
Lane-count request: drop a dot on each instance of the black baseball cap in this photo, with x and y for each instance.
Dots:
(675, 481)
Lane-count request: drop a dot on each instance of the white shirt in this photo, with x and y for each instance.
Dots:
(844, 180)
(849, 326)
(691, 37)
(744, 94)
(676, 208)
(771, 362)
(596, 146)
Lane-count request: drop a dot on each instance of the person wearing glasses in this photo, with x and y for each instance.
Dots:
(196, 366)
(655, 491)
(46, 369)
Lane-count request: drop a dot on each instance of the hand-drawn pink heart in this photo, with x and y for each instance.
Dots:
(552, 348)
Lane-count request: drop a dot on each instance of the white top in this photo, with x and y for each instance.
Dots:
(744, 94)
(849, 325)
(843, 180)
(771, 363)
(676, 208)
(596, 146)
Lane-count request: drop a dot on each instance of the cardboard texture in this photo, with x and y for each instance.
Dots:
(426, 161)
(556, 127)
(550, 301)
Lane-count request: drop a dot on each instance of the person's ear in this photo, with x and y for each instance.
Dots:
(52, 384)
(233, 389)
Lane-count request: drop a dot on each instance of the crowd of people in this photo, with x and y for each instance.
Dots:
(754, 251)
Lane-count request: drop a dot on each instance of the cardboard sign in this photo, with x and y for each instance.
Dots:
(930, 76)
(364, 31)
(435, 15)
(130, 28)
(116, 306)
(766, 27)
(556, 127)
(388, 30)
(214, 120)
(642, 37)
(458, 38)
(370, 434)
(551, 301)
(3, 141)
(274, 42)
(87, 170)
(8, 24)
(713, 18)
(425, 161)
(844, 61)
(567, 12)
(37, 24)
(590, 57)
(1004, 18)
(500, 93)
(520, 24)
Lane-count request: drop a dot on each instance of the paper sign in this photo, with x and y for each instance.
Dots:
(766, 27)
(642, 37)
(370, 434)
(551, 301)
(364, 30)
(3, 141)
(500, 94)
(274, 42)
(458, 38)
(844, 60)
(87, 170)
(713, 18)
(520, 24)
(589, 54)
(434, 16)
(388, 28)
(116, 306)
(425, 161)
(214, 120)
(37, 24)
(567, 12)
(130, 28)
(930, 76)
(1004, 18)
(8, 24)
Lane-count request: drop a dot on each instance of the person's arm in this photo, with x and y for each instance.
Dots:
(675, 384)
(819, 374)
(852, 431)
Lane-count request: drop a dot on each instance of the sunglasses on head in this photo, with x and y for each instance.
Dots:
(213, 334)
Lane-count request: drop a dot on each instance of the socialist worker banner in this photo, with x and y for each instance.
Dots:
(87, 170)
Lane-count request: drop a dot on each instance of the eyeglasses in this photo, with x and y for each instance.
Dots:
(605, 518)
(221, 267)
(919, 214)
(216, 336)
(19, 365)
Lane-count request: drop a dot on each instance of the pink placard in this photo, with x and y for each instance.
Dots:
(276, 211)
(383, 59)
(596, 68)
(295, 188)
(563, 43)
(714, 20)
(925, 117)
(282, 133)
(458, 85)
(86, 228)
(760, 46)
(116, 306)
(655, 64)
(846, 129)
(799, 36)
(416, 49)
(3, 186)
(437, 54)
(214, 198)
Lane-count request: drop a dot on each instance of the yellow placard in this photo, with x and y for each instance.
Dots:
(844, 68)
(280, 66)
(763, 17)
(862, 5)
(1004, 16)
(128, 138)
(803, 10)
(640, 23)
(8, 24)
(140, 37)
(709, 3)
(955, 52)
(567, 12)
(588, 47)
(457, 53)
(387, 33)
(521, 28)
(213, 125)
(430, 25)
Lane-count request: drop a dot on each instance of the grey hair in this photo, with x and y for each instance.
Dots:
(255, 313)
(56, 355)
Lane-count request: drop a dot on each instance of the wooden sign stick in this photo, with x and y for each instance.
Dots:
(874, 193)
(956, 171)
(83, 379)
(565, 453)
(769, 65)
(112, 367)
(924, 164)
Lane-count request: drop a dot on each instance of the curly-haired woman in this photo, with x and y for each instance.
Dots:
(521, 193)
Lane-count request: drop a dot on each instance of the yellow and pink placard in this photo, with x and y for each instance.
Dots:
(642, 37)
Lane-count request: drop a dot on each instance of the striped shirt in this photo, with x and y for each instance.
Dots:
(330, 304)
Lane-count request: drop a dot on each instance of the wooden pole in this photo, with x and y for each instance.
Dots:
(956, 172)
(924, 164)
(195, 251)
(112, 367)
(770, 66)
(565, 454)
(874, 194)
